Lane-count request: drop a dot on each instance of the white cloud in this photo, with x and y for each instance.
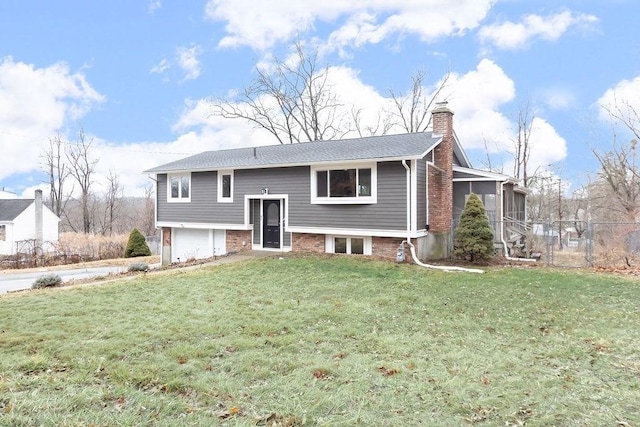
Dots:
(263, 24)
(558, 98)
(623, 95)
(547, 146)
(512, 36)
(35, 103)
(162, 67)
(478, 98)
(186, 59)
(153, 6)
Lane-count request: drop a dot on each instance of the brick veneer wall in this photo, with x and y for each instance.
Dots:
(441, 176)
(235, 238)
(387, 248)
(307, 242)
(383, 247)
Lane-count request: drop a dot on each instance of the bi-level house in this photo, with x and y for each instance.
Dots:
(353, 196)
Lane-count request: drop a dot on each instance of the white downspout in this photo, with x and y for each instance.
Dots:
(502, 221)
(408, 174)
(412, 248)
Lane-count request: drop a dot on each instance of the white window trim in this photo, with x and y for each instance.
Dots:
(362, 200)
(330, 243)
(178, 199)
(220, 174)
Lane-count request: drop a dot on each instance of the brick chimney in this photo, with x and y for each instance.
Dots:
(441, 173)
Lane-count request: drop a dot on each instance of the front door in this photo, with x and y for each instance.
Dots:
(271, 224)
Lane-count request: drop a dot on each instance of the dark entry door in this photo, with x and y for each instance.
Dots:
(271, 223)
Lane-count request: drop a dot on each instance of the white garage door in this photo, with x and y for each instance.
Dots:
(189, 243)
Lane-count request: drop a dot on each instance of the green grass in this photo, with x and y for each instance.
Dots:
(325, 342)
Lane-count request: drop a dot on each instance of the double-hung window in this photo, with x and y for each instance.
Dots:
(225, 186)
(337, 185)
(179, 188)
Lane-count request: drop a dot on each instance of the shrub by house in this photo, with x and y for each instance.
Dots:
(137, 245)
(473, 239)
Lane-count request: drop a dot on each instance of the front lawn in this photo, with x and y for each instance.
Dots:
(325, 341)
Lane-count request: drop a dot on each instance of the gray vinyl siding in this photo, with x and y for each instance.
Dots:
(295, 182)
(388, 213)
(422, 194)
(204, 206)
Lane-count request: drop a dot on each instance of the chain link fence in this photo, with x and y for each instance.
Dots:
(584, 243)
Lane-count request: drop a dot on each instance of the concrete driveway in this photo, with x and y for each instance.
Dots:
(16, 280)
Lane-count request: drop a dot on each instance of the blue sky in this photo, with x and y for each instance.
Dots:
(137, 75)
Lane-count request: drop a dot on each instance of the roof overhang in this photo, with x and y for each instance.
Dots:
(291, 165)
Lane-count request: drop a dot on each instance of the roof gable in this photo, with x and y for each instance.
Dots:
(404, 146)
(10, 209)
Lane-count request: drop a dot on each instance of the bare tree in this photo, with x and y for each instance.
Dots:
(619, 169)
(112, 199)
(619, 165)
(148, 216)
(81, 168)
(522, 144)
(57, 171)
(383, 124)
(294, 101)
(412, 110)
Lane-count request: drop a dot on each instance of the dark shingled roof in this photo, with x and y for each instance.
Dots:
(11, 208)
(405, 146)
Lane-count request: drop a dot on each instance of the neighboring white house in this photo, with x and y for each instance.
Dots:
(25, 222)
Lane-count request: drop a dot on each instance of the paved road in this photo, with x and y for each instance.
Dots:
(16, 281)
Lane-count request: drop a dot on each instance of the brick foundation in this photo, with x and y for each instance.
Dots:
(387, 248)
(382, 247)
(236, 238)
(306, 242)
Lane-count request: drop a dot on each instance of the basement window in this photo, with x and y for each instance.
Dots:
(348, 245)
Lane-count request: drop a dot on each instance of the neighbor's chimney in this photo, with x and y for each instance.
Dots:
(39, 220)
(441, 177)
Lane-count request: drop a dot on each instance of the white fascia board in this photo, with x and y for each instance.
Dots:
(201, 225)
(431, 148)
(355, 232)
(480, 174)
